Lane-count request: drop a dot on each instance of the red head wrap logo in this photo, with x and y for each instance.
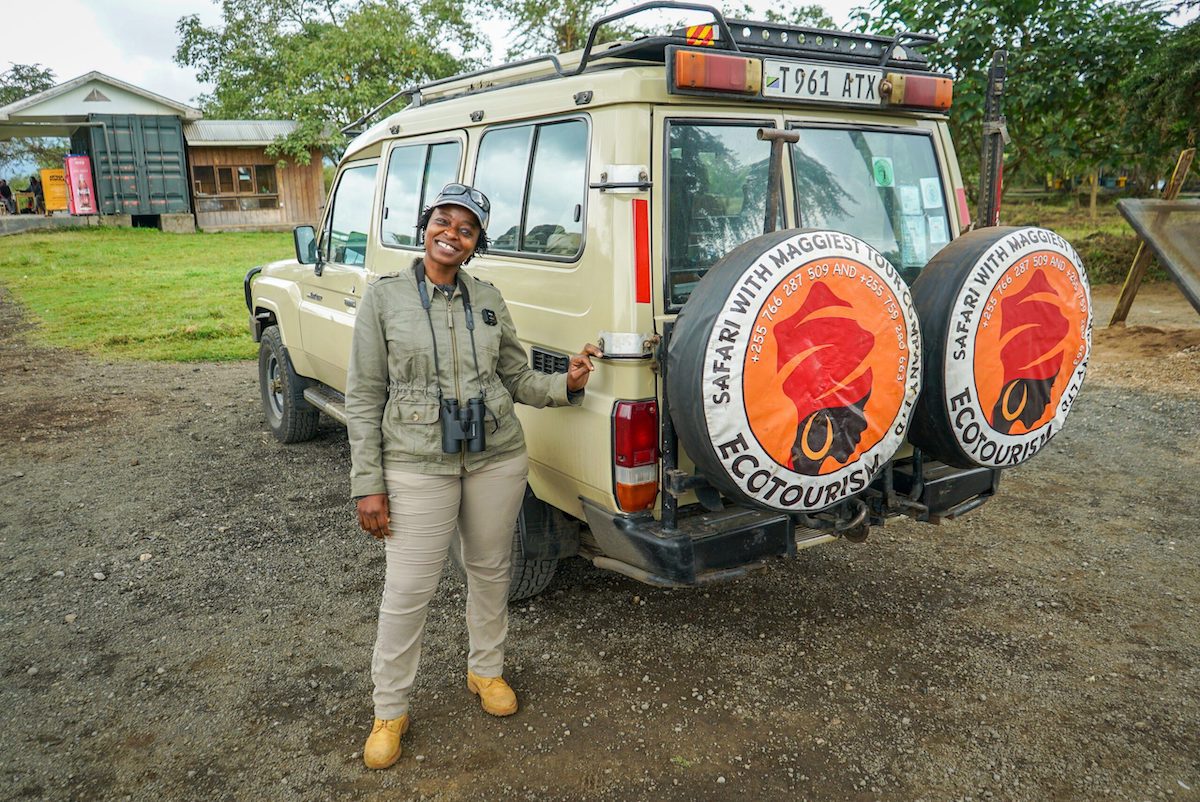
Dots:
(1032, 330)
(821, 354)
(825, 372)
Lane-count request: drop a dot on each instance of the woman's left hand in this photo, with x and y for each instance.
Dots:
(581, 367)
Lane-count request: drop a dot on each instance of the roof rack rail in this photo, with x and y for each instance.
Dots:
(631, 49)
(733, 35)
(861, 48)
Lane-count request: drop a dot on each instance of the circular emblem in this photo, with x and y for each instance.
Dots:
(809, 372)
(1017, 336)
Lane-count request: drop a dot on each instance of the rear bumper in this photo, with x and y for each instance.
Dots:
(705, 547)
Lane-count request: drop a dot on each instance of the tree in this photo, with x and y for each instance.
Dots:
(1066, 62)
(811, 16)
(20, 81)
(560, 26)
(322, 63)
(1163, 94)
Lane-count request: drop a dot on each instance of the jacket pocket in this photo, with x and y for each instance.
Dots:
(504, 431)
(413, 427)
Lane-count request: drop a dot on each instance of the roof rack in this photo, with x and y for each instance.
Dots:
(737, 36)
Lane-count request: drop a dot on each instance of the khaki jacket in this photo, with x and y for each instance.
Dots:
(392, 385)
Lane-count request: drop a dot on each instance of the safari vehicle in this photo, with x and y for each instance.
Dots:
(765, 229)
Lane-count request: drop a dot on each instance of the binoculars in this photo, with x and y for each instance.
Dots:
(463, 426)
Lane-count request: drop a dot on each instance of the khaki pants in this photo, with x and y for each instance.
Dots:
(425, 510)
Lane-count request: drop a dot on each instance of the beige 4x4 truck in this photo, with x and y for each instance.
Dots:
(765, 229)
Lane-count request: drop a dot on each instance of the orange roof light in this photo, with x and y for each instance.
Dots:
(923, 91)
(718, 72)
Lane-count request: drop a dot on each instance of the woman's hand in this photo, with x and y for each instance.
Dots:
(373, 515)
(581, 367)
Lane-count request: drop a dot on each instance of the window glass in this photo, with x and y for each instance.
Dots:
(225, 177)
(440, 170)
(716, 197)
(402, 195)
(553, 217)
(500, 174)
(205, 180)
(882, 187)
(245, 180)
(264, 175)
(346, 234)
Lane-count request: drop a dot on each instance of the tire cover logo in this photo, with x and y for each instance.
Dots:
(812, 371)
(1020, 338)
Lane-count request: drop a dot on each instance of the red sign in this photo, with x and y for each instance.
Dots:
(81, 194)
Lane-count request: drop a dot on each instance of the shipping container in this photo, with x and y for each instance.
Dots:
(139, 162)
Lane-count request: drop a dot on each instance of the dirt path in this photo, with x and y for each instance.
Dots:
(186, 612)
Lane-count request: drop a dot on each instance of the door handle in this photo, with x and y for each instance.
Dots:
(314, 296)
(350, 302)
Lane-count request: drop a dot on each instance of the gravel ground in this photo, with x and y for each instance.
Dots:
(187, 612)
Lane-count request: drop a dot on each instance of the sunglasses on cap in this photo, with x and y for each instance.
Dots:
(471, 192)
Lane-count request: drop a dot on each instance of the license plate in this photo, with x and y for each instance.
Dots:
(802, 80)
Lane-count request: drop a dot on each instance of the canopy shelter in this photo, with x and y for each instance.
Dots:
(133, 137)
(61, 110)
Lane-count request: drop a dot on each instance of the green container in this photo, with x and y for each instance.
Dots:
(139, 163)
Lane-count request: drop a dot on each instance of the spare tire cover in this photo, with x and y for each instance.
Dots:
(794, 368)
(1006, 315)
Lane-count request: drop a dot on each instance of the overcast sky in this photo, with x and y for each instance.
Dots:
(134, 40)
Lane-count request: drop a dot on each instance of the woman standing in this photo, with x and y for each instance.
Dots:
(435, 369)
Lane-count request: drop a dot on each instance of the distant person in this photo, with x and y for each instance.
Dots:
(6, 197)
(39, 198)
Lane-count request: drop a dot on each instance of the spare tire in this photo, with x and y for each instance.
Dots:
(1006, 314)
(793, 369)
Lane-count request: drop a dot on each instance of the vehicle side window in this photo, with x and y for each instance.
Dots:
(536, 178)
(345, 240)
(716, 197)
(415, 175)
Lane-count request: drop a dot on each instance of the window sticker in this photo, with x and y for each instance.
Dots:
(938, 233)
(910, 199)
(914, 248)
(885, 175)
(931, 193)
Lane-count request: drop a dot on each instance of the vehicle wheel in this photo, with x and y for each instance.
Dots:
(291, 418)
(794, 369)
(1006, 314)
(529, 577)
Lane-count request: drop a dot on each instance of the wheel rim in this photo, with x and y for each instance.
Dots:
(275, 386)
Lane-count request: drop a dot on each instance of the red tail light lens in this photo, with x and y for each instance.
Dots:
(635, 454)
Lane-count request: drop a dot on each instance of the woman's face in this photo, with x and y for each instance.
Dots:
(451, 236)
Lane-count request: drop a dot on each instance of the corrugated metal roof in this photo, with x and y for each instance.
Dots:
(236, 132)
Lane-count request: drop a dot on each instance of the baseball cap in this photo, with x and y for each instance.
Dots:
(467, 197)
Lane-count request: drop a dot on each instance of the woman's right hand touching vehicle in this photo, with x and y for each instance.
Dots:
(373, 515)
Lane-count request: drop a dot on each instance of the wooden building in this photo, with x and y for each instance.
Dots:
(236, 186)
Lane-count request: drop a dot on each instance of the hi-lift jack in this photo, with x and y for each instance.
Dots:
(995, 137)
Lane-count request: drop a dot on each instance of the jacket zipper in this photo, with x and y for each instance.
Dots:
(462, 454)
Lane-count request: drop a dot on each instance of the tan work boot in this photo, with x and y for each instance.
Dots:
(494, 694)
(383, 744)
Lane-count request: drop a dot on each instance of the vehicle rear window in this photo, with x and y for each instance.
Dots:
(883, 187)
(716, 197)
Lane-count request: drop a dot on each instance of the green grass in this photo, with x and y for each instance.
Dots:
(138, 293)
(1107, 245)
(142, 294)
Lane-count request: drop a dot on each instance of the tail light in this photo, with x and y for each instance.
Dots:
(635, 454)
(717, 72)
(923, 91)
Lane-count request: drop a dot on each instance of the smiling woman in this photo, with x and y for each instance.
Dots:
(422, 356)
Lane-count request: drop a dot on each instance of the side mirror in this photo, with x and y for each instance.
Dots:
(305, 240)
